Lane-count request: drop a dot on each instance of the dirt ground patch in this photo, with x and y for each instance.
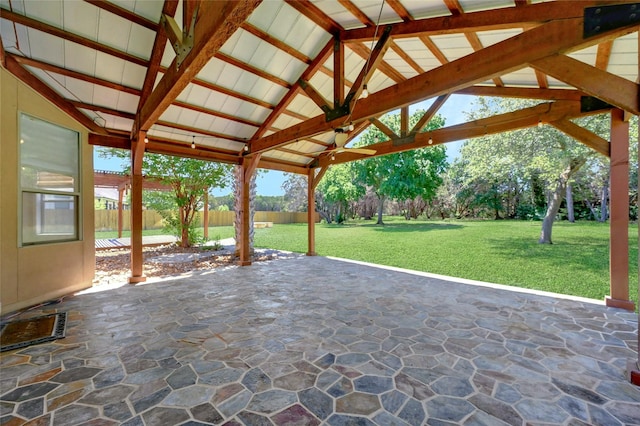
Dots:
(113, 265)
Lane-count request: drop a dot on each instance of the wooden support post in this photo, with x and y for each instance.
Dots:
(311, 213)
(120, 207)
(137, 152)
(619, 217)
(245, 216)
(205, 215)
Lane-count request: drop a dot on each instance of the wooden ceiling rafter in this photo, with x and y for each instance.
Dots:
(214, 113)
(430, 113)
(51, 95)
(311, 69)
(357, 13)
(316, 15)
(400, 10)
(65, 35)
(435, 50)
(125, 13)
(221, 20)
(106, 110)
(603, 54)
(605, 86)
(75, 74)
(558, 36)
(252, 70)
(264, 36)
(365, 52)
(169, 8)
(476, 45)
(583, 135)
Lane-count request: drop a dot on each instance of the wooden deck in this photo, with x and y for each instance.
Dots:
(152, 240)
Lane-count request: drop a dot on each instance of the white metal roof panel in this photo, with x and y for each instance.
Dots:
(478, 5)
(453, 46)
(421, 9)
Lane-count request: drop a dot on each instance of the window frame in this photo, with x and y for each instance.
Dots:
(38, 237)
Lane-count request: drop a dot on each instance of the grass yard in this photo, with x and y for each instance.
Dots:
(504, 252)
(215, 233)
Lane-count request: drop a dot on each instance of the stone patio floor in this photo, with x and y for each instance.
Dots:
(312, 340)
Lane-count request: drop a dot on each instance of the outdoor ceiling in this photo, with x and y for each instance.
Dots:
(263, 74)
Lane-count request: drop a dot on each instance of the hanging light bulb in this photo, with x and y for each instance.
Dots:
(333, 157)
(365, 93)
(351, 127)
(146, 139)
(246, 148)
(193, 142)
(539, 123)
(430, 140)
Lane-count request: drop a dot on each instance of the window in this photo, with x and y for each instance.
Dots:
(49, 181)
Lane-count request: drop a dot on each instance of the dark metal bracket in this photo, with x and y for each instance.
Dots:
(601, 19)
(589, 104)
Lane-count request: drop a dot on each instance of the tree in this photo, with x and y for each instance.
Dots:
(404, 175)
(295, 192)
(525, 158)
(339, 193)
(189, 179)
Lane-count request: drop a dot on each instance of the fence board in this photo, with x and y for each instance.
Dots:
(107, 220)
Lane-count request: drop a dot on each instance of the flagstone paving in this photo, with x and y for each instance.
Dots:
(311, 341)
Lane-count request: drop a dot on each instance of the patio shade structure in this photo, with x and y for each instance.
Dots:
(266, 84)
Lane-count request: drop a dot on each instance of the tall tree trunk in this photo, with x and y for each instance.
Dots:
(380, 210)
(556, 199)
(604, 208)
(569, 199)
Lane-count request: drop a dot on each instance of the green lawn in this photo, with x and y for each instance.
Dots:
(215, 233)
(504, 252)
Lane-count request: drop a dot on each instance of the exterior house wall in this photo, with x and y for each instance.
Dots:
(37, 273)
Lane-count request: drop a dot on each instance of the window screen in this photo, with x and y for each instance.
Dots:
(49, 181)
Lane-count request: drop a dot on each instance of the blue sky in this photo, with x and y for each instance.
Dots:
(270, 182)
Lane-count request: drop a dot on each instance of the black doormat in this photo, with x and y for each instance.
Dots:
(32, 331)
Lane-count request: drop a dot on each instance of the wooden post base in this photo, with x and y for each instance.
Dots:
(633, 372)
(244, 262)
(311, 253)
(619, 303)
(136, 280)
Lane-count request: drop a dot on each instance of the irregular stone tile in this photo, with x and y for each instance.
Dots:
(344, 420)
(40, 421)
(74, 374)
(254, 419)
(620, 391)
(317, 402)
(295, 381)
(41, 377)
(392, 401)
(6, 408)
(347, 371)
(24, 393)
(574, 407)
(118, 411)
(137, 365)
(306, 366)
(295, 415)
(158, 354)
(221, 377)
(480, 418)
(384, 418)
(147, 389)
(507, 393)
(325, 361)
(182, 377)
(497, 409)
(412, 413)
(626, 412)
(373, 384)
(340, 388)
(203, 367)
(452, 386)
(226, 392)
(540, 411)
(146, 376)
(256, 380)
(66, 399)
(271, 401)
(171, 363)
(110, 394)
(109, 377)
(155, 398)
(358, 403)
(600, 417)
(74, 414)
(165, 416)
(234, 404)
(579, 392)
(31, 409)
(187, 397)
(448, 408)
(206, 413)
(413, 387)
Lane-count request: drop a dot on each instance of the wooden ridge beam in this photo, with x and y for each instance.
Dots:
(528, 117)
(507, 18)
(506, 56)
(605, 86)
(218, 21)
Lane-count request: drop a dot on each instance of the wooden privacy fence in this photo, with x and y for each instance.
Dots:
(107, 220)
